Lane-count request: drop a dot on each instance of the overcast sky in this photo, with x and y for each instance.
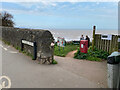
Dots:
(64, 15)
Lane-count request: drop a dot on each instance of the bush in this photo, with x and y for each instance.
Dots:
(98, 53)
(54, 62)
(7, 19)
(95, 55)
(69, 43)
(80, 55)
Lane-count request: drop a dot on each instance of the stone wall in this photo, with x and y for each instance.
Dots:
(43, 38)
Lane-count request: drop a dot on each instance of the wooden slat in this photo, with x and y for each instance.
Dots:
(109, 46)
(106, 45)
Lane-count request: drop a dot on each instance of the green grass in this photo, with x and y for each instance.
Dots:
(54, 62)
(18, 48)
(6, 42)
(91, 58)
(67, 49)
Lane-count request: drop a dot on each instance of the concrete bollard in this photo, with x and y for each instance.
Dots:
(113, 75)
(118, 83)
(114, 70)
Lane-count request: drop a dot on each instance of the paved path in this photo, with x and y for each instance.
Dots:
(91, 70)
(71, 54)
(68, 73)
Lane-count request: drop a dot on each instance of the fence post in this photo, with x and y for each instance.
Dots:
(93, 41)
(118, 43)
(34, 51)
(22, 45)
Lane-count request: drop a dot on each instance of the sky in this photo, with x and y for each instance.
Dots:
(63, 15)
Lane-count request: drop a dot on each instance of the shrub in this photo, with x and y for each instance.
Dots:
(77, 53)
(80, 55)
(69, 43)
(95, 55)
(98, 53)
(54, 62)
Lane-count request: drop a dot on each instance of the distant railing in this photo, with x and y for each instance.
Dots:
(76, 42)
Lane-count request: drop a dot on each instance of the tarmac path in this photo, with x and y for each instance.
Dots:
(68, 73)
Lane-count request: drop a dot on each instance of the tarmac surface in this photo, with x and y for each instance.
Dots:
(68, 73)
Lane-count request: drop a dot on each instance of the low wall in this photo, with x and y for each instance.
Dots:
(43, 39)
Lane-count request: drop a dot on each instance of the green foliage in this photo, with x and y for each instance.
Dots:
(98, 53)
(63, 52)
(7, 19)
(27, 53)
(18, 48)
(6, 42)
(80, 55)
(54, 62)
(69, 43)
(91, 58)
(95, 55)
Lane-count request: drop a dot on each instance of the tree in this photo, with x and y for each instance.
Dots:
(6, 19)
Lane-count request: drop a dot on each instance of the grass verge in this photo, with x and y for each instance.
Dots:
(18, 48)
(63, 52)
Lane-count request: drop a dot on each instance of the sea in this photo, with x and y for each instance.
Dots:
(74, 35)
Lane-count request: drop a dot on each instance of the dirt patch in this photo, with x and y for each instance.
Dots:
(71, 54)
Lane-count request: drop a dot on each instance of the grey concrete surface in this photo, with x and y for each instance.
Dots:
(68, 73)
(0, 59)
(113, 74)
